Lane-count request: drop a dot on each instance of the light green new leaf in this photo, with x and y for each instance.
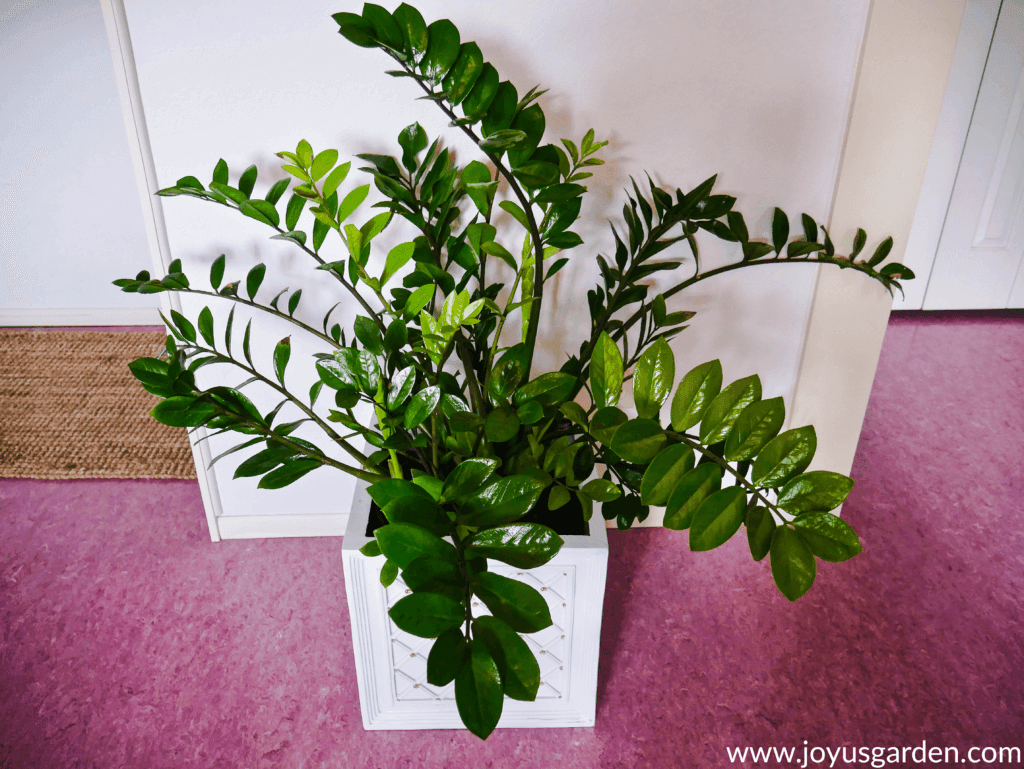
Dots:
(606, 371)
(397, 258)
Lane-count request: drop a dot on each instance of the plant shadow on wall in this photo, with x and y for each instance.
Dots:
(463, 437)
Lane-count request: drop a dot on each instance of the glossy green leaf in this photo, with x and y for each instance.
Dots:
(698, 388)
(793, 567)
(429, 483)
(467, 477)
(520, 673)
(355, 366)
(828, 536)
(254, 280)
(418, 300)
(282, 352)
(502, 140)
(246, 181)
(430, 575)
(780, 230)
(664, 473)
(368, 334)
(261, 211)
(484, 91)
(403, 543)
(478, 692)
(859, 240)
(386, 491)
(881, 252)
(652, 379)
(412, 140)
(401, 386)
(334, 180)
(605, 422)
(396, 335)
(815, 492)
(448, 655)
(217, 271)
(638, 440)
(531, 122)
(464, 73)
(601, 490)
(718, 518)
(530, 412)
(726, 408)
(525, 545)
(371, 549)
(288, 473)
(501, 502)
(552, 387)
(501, 425)
(220, 172)
(513, 602)
(442, 50)
(422, 406)
(760, 528)
(559, 496)
(477, 181)
(786, 456)
(420, 511)
(502, 110)
(323, 163)
(690, 493)
(388, 573)
(205, 323)
(413, 28)
(756, 426)
(180, 411)
(606, 371)
(352, 201)
(427, 615)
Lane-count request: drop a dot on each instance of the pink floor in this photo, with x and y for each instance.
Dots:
(128, 639)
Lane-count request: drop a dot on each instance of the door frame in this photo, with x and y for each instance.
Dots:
(968, 68)
(846, 325)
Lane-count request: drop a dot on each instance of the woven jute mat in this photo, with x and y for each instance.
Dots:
(69, 408)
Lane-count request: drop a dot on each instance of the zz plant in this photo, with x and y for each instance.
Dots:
(463, 437)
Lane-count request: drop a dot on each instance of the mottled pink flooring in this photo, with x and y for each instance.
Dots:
(130, 640)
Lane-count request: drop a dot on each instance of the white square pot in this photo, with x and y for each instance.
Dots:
(391, 665)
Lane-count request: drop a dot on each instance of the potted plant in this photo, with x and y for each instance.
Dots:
(475, 460)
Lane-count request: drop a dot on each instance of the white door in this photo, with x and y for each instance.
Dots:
(979, 257)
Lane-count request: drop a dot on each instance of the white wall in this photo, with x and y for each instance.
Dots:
(759, 92)
(70, 216)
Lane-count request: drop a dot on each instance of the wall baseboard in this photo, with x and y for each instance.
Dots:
(295, 525)
(81, 316)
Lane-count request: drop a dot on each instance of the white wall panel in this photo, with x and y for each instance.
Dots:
(70, 217)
